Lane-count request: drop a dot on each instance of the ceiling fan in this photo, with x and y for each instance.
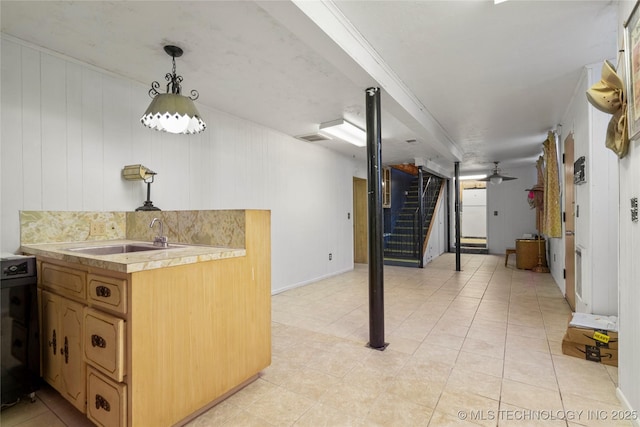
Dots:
(496, 177)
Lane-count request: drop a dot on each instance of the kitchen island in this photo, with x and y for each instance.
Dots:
(155, 337)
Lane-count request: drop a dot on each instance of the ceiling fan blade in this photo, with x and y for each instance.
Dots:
(496, 175)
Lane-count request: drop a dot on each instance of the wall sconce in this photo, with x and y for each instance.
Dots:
(141, 173)
(342, 129)
(172, 112)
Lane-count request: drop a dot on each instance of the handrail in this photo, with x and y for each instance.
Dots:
(410, 239)
(424, 192)
(435, 210)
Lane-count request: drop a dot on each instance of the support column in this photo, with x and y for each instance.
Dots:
(457, 212)
(420, 217)
(374, 180)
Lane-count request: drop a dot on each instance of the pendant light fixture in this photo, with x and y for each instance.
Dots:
(173, 112)
(496, 177)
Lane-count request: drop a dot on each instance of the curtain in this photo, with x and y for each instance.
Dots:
(551, 225)
(538, 194)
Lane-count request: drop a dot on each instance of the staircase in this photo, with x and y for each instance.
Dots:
(402, 246)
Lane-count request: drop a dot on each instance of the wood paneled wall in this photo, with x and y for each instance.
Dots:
(68, 129)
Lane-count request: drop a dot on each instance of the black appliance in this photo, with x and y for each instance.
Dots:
(20, 362)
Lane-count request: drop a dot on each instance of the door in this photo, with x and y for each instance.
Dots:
(50, 340)
(474, 211)
(72, 369)
(360, 221)
(569, 225)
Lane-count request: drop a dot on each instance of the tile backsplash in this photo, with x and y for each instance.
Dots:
(69, 226)
(220, 228)
(225, 228)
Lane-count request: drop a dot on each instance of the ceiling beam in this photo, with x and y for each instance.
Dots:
(406, 106)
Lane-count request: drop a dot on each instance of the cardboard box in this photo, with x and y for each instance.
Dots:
(594, 337)
(606, 356)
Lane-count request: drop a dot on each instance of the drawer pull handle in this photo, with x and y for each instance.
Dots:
(101, 402)
(98, 341)
(103, 291)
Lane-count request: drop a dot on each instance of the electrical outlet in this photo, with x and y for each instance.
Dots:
(330, 256)
(98, 228)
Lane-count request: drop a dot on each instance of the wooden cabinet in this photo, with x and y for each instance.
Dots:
(153, 347)
(106, 400)
(84, 347)
(62, 364)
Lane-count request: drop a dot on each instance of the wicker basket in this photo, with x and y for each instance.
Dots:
(527, 253)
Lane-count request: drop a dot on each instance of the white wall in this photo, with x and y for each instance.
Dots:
(596, 225)
(68, 129)
(515, 217)
(628, 265)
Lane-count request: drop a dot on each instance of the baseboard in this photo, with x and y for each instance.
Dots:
(308, 282)
(627, 406)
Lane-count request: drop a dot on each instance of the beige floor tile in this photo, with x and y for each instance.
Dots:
(533, 373)
(477, 362)
(347, 398)
(310, 383)
(530, 396)
(244, 419)
(419, 391)
(584, 378)
(401, 344)
(592, 412)
(325, 416)
(526, 331)
(22, 412)
(217, 415)
(484, 347)
(425, 369)
(475, 382)
(455, 402)
(44, 419)
(280, 407)
(387, 362)
(613, 373)
(251, 393)
(444, 339)
(393, 410)
(517, 342)
(514, 416)
(441, 419)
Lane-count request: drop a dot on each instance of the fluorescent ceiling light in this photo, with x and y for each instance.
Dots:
(472, 177)
(342, 129)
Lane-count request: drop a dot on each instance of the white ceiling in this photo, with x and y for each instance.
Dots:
(464, 80)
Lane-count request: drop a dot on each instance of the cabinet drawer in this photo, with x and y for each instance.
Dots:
(67, 281)
(107, 292)
(104, 343)
(106, 400)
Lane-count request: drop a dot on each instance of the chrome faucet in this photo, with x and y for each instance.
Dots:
(159, 240)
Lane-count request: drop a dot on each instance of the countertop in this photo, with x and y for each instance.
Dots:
(132, 261)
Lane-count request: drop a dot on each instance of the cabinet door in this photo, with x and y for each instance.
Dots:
(72, 365)
(50, 340)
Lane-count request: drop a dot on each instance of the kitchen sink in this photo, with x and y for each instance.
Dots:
(121, 249)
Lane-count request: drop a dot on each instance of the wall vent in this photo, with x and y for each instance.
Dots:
(314, 137)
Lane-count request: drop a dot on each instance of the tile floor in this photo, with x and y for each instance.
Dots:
(477, 347)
